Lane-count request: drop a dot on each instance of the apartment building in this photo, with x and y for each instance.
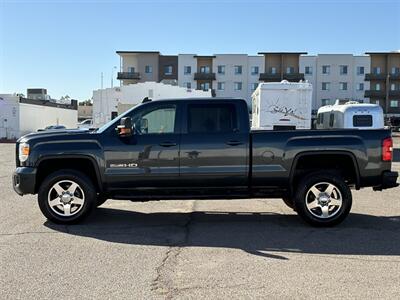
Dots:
(143, 66)
(335, 76)
(237, 75)
(384, 79)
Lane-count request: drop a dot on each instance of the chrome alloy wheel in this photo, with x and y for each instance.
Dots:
(66, 198)
(323, 200)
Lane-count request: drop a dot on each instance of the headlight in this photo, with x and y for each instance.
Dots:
(23, 152)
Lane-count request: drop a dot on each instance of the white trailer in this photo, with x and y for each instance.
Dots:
(282, 105)
(350, 115)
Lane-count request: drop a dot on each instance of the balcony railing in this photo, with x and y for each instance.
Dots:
(394, 93)
(270, 77)
(276, 77)
(373, 93)
(204, 76)
(293, 76)
(128, 75)
(372, 76)
(395, 76)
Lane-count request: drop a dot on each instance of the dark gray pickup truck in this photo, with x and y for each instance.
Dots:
(200, 149)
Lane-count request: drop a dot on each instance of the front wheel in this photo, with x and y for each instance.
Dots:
(66, 197)
(323, 199)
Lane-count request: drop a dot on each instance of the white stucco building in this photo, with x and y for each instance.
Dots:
(19, 116)
(336, 76)
(107, 103)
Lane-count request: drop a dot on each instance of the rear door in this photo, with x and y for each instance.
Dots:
(214, 144)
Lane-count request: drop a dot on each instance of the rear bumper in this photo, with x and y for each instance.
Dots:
(24, 180)
(389, 180)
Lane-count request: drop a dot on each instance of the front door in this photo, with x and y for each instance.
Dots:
(150, 157)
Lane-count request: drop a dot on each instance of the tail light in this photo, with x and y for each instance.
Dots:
(387, 149)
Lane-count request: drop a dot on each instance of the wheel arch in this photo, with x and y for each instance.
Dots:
(83, 163)
(320, 154)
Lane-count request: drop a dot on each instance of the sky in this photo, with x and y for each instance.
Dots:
(64, 46)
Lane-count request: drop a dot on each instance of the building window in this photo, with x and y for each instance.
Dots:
(326, 86)
(205, 69)
(343, 86)
(360, 70)
(394, 103)
(254, 70)
(131, 69)
(167, 70)
(238, 86)
(326, 69)
(377, 102)
(343, 70)
(188, 85)
(393, 87)
(289, 70)
(360, 87)
(221, 70)
(148, 69)
(205, 86)
(395, 70)
(238, 70)
(187, 70)
(376, 70)
(254, 86)
(308, 70)
(325, 102)
(221, 86)
(273, 70)
(377, 87)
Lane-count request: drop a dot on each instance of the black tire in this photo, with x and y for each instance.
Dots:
(86, 191)
(100, 200)
(303, 191)
(289, 202)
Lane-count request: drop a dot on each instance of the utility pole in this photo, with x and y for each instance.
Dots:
(112, 76)
(101, 80)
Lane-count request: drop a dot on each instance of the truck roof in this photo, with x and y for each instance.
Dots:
(200, 98)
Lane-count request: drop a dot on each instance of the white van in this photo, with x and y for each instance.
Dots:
(350, 115)
(282, 105)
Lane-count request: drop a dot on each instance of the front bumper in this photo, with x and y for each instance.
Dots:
(389, 180)
(24, 180)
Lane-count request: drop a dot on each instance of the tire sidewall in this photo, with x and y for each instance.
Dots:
(85, 184)
(307, 183)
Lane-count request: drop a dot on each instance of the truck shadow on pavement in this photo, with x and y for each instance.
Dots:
(262, 234)
(396, 155)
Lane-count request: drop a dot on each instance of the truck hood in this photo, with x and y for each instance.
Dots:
(58, 134)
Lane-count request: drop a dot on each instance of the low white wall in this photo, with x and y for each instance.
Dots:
(106, 101)
(34, 117)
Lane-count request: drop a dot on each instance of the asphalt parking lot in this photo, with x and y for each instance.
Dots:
(198, 249)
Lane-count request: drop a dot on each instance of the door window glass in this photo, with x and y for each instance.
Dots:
(157, 121)
(211, 118)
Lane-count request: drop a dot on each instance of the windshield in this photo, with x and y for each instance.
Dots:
(117, 119)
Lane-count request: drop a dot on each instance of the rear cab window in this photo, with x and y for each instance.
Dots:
(362, 120)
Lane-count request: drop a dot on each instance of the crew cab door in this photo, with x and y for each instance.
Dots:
(150, 157)
(214, 144)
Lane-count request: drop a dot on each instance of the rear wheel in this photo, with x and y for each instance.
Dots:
(66, 196)
(323, 199)
(289, 202)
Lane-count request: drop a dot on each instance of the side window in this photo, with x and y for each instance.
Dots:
(331, 120)
(211, 118)
(158, 121)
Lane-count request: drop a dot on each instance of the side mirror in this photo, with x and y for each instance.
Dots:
(125, 127)
(144, 125)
